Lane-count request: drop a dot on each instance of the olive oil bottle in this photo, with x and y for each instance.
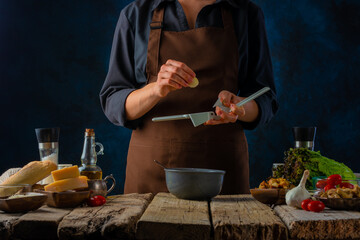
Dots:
(89, 156)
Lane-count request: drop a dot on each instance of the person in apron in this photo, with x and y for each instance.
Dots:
(174, 58)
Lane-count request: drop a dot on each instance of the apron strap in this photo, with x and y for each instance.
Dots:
(227, 18)
(156, 25)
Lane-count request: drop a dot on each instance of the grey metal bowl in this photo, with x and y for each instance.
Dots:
(194, 183)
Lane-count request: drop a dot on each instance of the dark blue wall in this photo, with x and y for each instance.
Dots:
(54, 58)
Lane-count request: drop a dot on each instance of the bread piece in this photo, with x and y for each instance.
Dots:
(31, 173)
(8, 173)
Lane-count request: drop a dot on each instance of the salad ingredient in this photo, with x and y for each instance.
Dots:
(321, 183)
(346, 185)
(298, 159)
(316, 206)
(334, 179)
(295, 196)
(328, 187)
(304, 204)
(96, 201)
(275, 183)
(342, 192)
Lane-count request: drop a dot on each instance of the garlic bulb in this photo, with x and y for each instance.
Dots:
(295, 196)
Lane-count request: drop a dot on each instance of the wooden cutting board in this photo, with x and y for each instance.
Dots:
(329, 224)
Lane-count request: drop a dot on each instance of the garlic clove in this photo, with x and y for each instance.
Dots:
(295, 196)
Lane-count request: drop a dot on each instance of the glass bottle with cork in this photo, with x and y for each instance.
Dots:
(89, 156)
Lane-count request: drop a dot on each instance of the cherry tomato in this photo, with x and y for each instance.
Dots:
(316, 206)
(334, 179)
(304, 204)
(97, 200)
(321, 183)
(346, 185)
(328, 187)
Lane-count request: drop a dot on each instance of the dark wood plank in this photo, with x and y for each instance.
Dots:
(115, 220)
(242, 217)
(329, 224)
(6, 224)
(40, 224)
(168, 217)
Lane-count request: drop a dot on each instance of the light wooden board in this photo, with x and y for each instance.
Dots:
(329, 224)
(115, 220)
(242, 217)
(6, 224)
(168, 217)
(39, 224)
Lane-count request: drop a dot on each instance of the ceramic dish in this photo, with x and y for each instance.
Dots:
(269, 196)
(68, 199)
(194, 183)
(352, 204)
(23, 202)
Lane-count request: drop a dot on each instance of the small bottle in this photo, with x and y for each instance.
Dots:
(89, 156)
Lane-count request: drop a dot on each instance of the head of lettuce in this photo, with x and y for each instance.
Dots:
(298, 159)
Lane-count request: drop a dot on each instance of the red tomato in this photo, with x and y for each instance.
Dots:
(321, 183)
(97, 200)
(334, 179)
(304, 204)
(346, 185)
(316, 206)
(328, 187)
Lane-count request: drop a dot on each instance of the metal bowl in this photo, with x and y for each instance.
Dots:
(194, 183)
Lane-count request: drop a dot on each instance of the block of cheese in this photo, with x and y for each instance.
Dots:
(69, 172)
(31, 173)
(67, 184)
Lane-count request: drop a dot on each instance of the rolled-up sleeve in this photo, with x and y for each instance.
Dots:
(120, 80)
(260, 73)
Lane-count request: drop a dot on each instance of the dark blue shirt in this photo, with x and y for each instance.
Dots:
(129, 53)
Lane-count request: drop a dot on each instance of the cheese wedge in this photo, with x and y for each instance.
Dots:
(67, 184)
(69, 172)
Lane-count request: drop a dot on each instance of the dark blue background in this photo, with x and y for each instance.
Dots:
(54, 57)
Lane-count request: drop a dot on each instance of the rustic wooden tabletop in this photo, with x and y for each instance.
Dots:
(143, 216)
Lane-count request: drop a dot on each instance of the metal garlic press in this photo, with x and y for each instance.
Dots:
(219, 104)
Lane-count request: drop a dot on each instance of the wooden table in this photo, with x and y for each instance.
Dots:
(143, 216)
